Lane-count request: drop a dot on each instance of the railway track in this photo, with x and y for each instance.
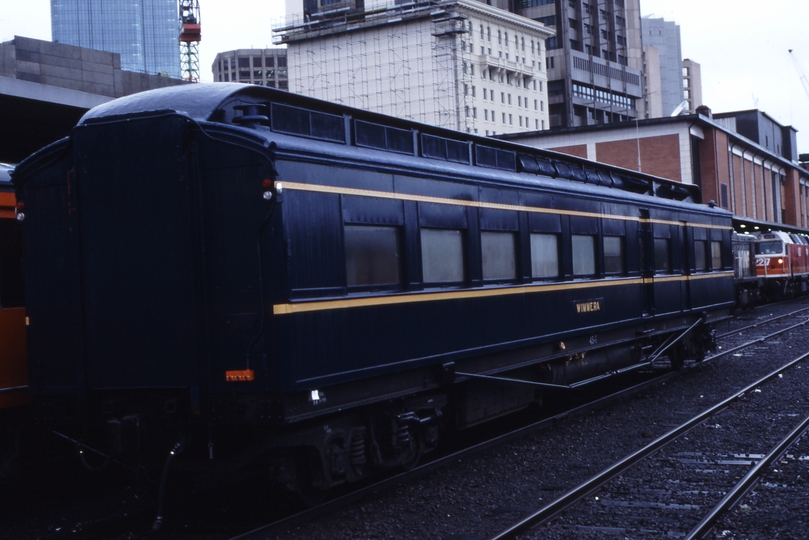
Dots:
(730, 341)
(662, 489)
(271, 530)
(762, 322)
(267, 531)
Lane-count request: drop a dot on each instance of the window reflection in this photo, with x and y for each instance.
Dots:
(499, 255)
(613, 255)
(662, 263)
(372, 255)
(584, 260)
(544, 256)
(699, 255)
(442, 255)
(716, 255)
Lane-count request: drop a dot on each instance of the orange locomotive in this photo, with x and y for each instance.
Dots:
(782, 261)
(13, 368)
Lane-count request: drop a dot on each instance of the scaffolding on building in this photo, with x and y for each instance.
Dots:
(404, 60)
(453, 83)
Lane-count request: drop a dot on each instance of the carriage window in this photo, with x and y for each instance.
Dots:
(372, 255)
(584, 254)
(662, 262)
(544, 256)
(442, 255)
(699, 255)
(613, 255)
(716, 255)
(499, 255)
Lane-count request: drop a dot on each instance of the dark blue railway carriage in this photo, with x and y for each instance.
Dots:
(239, 267)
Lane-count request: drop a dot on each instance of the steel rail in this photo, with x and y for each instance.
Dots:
(81, 447)
(13, 389)
(765, 321)
(747, 483)
(389, 483)
(757, 340)
(591, 486)
(422, 470)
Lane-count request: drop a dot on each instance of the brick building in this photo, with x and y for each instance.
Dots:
(745, 162)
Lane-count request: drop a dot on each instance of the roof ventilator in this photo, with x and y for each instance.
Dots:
(251, 115)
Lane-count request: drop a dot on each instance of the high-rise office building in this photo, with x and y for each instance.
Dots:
(593, 55)
(692, 84)
(458, 64)
(145, 33)
(595, 60)
(664, 36)
(652, 97)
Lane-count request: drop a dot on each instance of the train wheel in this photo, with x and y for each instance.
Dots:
(311, 496)
(677, 354)
(409, 444)
(698, 352)
(305, 488)
(413, 461)
(677, 360)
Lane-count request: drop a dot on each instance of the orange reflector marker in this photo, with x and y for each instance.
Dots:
(239, 375)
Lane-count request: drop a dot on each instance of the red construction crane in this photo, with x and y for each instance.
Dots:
(804, 80)
(190, 36)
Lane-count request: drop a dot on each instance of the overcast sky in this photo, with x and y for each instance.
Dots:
(743, 50)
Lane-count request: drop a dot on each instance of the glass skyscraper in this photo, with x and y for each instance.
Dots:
(144, 32)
